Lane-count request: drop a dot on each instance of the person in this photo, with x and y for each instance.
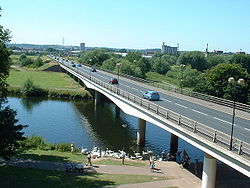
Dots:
(186, 162)
(89, 159)
(72, 147)
(178, 157)
(170, 157)
(184, 155)
(163, 155)
(151, 163)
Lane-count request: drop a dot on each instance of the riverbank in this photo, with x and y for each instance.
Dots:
(52, 84)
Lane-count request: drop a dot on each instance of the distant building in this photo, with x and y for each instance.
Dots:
(218, 51)
(168, 49)
(240, 52)
(82, 46)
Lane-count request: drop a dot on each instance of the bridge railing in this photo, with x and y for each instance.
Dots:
(168, 87)
(211, 134)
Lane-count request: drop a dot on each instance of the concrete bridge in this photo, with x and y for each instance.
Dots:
(205, 128)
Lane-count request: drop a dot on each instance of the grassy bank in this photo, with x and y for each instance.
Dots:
(27, 177)
(57, 156)
(55, 84)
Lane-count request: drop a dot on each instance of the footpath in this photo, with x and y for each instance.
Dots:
(178, 177)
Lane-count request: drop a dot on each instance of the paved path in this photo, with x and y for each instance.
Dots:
(179, 177)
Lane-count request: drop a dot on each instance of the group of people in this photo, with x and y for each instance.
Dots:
(181, 157)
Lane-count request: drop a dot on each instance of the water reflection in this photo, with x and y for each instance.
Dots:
(103, 126)
(30, 103)
(81, 123)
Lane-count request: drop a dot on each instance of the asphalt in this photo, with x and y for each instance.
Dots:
(177, 176)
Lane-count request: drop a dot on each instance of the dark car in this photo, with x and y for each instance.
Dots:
(113, 81)
(93, 70)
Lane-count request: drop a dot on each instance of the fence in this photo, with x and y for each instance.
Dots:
(218, 137)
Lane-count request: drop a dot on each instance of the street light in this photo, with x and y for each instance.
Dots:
(232, 81)
(90, 60)
(123, 154)
(118, 65)
(182, 68)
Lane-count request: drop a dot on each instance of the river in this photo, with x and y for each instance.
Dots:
(86, 126)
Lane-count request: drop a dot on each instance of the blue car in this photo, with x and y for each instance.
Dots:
(151, 95)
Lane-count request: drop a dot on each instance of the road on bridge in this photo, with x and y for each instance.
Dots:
(208, 116)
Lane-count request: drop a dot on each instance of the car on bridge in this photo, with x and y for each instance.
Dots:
(93, 69)
(151, 95)
(113, 81)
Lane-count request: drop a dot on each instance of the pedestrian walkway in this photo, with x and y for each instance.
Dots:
(179, 177)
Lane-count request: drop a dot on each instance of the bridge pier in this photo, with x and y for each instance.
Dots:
(174, 144)
(209, 172)
(141, 132)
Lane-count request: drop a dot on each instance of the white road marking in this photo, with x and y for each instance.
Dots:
(247, 129)
(222, 120)
(134, 88)
(181, 105)
(165, 100)
(199, 112)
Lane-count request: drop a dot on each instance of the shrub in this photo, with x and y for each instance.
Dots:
(33, 142)
(26, 62)
(63, 147)
(30, 90)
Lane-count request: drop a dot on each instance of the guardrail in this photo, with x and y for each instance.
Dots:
(213, 135)
(217, 100)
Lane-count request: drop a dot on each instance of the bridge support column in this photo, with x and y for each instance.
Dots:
(174, 144)
(141, 132)
(117, 111)
(97, 98)
(209, 172)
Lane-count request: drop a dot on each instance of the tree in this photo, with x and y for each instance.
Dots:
(95, 57)
(133, 56)
(196, 59)
(215, 82)
(243, 60)
(9, 131)
(110, 64)
(159, 65)
(214, 60)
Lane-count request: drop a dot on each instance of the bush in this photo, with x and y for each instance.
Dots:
(63, 147)
(26, 62)
(30, 90)
(33, 142)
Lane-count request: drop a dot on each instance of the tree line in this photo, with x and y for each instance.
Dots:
(202, 73)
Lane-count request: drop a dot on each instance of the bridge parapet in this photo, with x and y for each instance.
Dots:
(212, 135)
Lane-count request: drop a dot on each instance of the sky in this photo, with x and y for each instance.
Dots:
(134, 24)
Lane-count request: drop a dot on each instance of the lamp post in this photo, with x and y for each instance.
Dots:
(123, 154)
(118, 65)
(90, 60)
(232, 81)
(182, 68)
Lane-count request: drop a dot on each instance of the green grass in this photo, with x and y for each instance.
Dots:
(55, 156)
(58, 156)
(53, 80)
(27, 177)
(161, 78)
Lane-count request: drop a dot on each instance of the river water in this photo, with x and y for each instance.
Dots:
(86, 126)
